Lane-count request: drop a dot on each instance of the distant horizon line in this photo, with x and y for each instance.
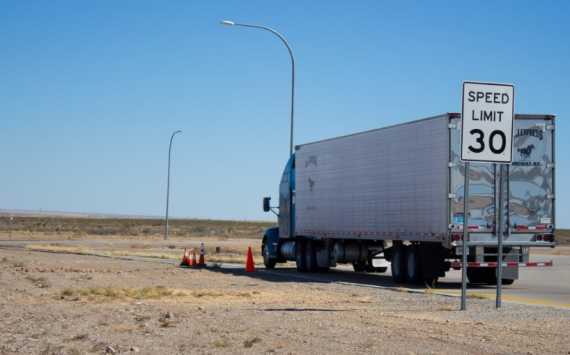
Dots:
(42, 213)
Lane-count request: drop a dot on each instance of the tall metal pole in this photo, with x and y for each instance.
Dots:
(168, 185)
(465, 239)
(230, 23)
(500, 232)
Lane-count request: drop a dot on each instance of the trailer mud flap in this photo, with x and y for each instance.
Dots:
(432, 260)
(511, 273)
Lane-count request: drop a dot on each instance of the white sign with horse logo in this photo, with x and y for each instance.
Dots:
(487, 122)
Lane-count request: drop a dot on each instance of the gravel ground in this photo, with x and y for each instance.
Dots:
(46, 309)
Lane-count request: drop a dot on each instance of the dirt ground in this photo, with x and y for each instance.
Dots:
(76, 304)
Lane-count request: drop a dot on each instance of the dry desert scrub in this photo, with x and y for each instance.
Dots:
(114, 293)
(61, 226)
(82, 304)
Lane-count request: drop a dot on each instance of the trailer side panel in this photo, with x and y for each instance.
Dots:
(389, 183)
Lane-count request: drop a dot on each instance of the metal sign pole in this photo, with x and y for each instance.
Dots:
(465, 238)
(500, 235)
(487, 140)
(11, 218)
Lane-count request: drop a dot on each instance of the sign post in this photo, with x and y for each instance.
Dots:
(487, 117)
(465, 239)
(500, 237)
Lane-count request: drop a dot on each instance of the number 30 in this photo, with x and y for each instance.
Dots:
(480, 139)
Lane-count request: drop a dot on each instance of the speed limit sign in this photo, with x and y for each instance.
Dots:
(487, 115)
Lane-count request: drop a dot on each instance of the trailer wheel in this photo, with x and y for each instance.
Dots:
(475, 275)
(490, 275)
(399, 263)
(507, 281)
(269, 262)
(413, 267)
(300, 245)
(310, 256)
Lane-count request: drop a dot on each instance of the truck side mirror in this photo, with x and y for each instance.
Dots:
(266, 207)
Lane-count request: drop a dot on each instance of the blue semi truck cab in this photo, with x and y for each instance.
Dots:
(274, 237)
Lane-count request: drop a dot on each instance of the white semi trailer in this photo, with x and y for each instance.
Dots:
(398, 193)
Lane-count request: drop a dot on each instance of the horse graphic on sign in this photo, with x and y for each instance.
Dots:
(525, 152)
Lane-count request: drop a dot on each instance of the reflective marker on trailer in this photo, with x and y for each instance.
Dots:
(546, 264)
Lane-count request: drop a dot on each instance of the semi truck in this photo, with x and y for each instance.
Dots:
(397, 194)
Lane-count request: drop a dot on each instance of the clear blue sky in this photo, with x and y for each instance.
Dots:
(91, 91)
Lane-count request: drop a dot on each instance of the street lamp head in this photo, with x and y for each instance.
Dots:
(230, 23)
(179, 131)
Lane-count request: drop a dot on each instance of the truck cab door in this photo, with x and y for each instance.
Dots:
(286, 200)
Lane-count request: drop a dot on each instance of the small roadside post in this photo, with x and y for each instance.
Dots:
(11, 219)
(487, 117)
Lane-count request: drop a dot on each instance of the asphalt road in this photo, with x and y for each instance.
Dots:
(538, 285)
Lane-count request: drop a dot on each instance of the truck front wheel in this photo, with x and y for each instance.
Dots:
(267, 260)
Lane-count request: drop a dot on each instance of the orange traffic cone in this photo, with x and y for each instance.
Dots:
(249, 264)
(184, 259)
(192, 262)
(201, 261)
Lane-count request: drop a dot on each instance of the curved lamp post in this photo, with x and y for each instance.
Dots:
(230, 23)
(168, 184)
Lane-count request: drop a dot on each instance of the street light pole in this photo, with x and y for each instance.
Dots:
(168, 184)
(230, 23)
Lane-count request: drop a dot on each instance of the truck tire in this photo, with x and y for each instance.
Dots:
(311, 256)
(475, 275)
(267, 261)
(490, 275)
(507, 281)
(413, 266)
(300, 245)
(399, 263)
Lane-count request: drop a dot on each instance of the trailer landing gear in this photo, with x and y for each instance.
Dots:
(368, 267)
